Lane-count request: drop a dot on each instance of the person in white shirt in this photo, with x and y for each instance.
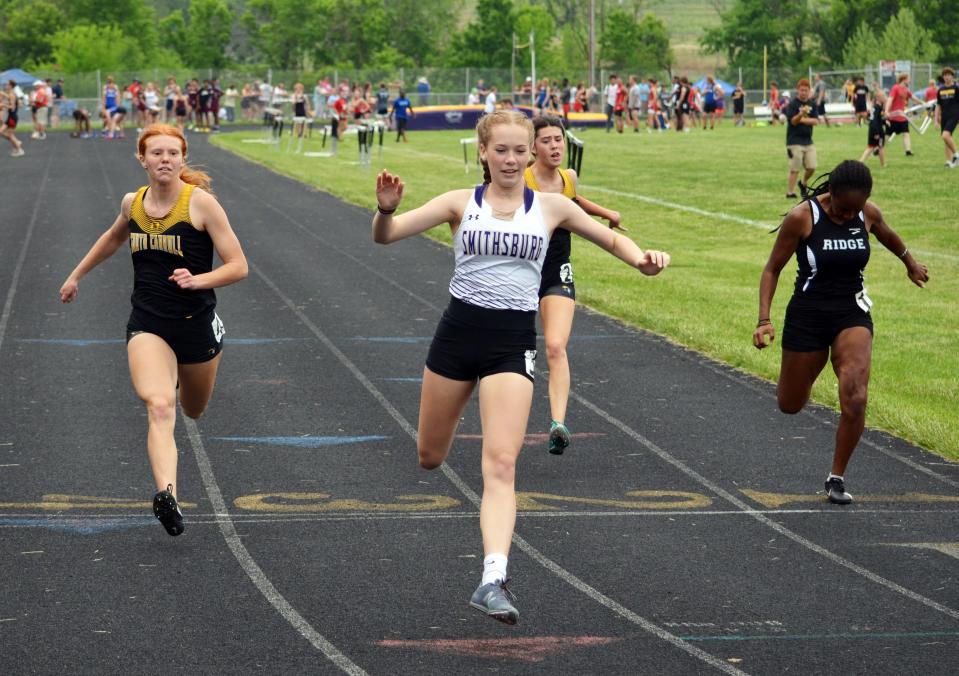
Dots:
(491, 101)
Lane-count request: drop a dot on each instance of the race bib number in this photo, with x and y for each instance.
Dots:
(218, 329)
(530, 363)
(566, 273)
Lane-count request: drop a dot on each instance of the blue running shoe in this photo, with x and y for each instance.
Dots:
(495, 599)
(559, 438)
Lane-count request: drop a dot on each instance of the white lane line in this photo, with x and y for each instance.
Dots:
(729, 497)
(723, 216)
(22, 256)
(471, 495)
(250, 567)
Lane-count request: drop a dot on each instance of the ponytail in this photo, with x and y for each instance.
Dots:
(196, 177)
(847, 175)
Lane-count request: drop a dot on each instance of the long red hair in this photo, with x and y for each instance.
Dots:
(187, 174)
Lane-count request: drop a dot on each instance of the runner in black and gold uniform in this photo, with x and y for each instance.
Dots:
(947, 114)
(828, 316)
(174, 337)
(557, 293)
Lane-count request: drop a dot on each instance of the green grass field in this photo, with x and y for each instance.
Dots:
(707, 299)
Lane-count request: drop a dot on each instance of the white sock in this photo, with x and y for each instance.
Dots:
(833, 476)
(494, 568)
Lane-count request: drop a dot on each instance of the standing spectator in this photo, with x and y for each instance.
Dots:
(151, 99)
(170, 92)
(819, 95)
(895, 111)
(216, 93)
(801, 117)
(423, 91)
(739, 105)
(573, 94)
(634, 102)
(720, 103)
(619, 107)
(848, 90)
(266, 96)
(947, 114)
(40, 105)
(774, 108)
(382, 102)
(403, 111)
(57, 99)
(931, 94)
(490, 102)
(860, 100)
(542, 96)
(609, 96)
(709, 102)
(682, 104)
(482, 88)
(229, 102)
(320, 94)
(564, 92)
(9, 106)
(473, 99)
(582, 97)
(644, 100)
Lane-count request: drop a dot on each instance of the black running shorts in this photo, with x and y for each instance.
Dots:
(193, 340)
(472, 342)
(811, 326)
(898, 127)
(949, 123)
(557, 280)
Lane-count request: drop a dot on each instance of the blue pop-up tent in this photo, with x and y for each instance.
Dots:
(728, 89)
(21, 77)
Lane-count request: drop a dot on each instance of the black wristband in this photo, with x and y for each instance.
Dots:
(386, 212)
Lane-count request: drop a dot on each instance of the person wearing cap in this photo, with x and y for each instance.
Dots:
(40, 106)
(423, 90)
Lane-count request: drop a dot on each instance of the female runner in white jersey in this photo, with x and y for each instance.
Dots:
(174, 337)
(500, 233)
(557, 290)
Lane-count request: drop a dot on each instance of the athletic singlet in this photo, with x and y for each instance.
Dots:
(159, 246)
(832, 258)
(110, 97)
(299, 106)
(498, 263)
(560, 247)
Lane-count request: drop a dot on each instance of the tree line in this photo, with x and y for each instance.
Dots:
(74, 36)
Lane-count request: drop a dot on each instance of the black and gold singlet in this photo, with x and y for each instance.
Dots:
(161, 245)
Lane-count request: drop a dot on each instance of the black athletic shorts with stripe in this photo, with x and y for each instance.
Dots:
(193, 340)
(473, 342)
(811, 326)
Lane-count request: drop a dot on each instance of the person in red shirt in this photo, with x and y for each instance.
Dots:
(773, 103)
(619, 108)
(40, 102)
(932, 92)
(895, 111)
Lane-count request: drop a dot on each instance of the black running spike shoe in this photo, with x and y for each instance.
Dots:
(836, 491)
(166, 509)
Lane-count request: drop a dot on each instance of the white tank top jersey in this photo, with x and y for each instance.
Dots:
(499, 263)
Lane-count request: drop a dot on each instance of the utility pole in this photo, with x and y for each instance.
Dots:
(592, 43)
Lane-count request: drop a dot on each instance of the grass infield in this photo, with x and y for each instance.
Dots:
(708, 299)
